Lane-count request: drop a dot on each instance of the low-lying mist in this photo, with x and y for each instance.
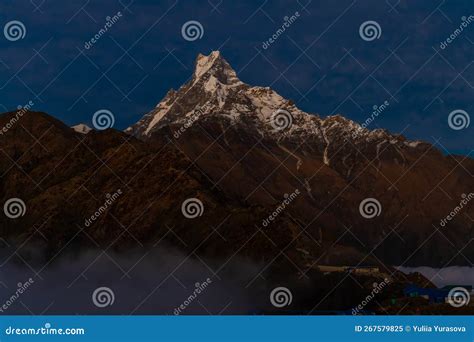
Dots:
(154, 281)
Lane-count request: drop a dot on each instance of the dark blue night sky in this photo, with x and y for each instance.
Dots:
(320, 61)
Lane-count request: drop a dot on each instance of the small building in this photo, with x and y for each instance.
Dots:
(369, 270)
(434, 295)
(362, 269)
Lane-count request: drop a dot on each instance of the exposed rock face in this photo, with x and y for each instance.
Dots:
(256, 146)
(217, 139)
(278, 187)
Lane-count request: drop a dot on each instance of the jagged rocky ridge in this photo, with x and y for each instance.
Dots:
(230, 155)
(217, 139)
(215, 91)
(229, 130)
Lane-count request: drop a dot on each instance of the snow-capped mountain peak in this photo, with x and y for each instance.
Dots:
(214, 67)
(82, 128)
(215, 90)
